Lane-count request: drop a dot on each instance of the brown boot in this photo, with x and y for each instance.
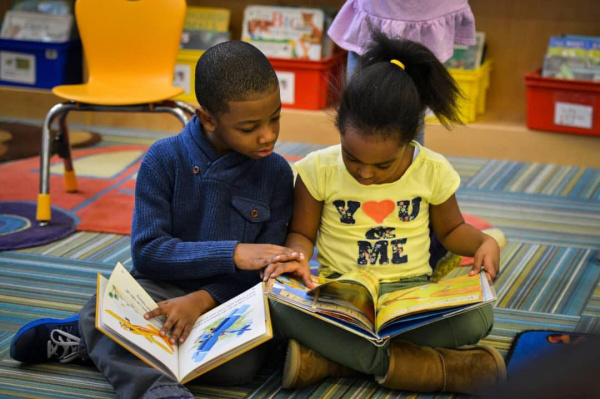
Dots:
(467, 369)
(304, 367)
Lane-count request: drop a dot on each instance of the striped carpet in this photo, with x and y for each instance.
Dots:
(550, 276)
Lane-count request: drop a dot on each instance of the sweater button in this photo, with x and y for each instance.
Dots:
(196, 170)
(254, 213)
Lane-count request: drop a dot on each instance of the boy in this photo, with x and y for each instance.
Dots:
(210, 204)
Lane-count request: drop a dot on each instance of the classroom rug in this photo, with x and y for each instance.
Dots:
(549, 280)
(21, 140)
(106, 179)
(19, 229)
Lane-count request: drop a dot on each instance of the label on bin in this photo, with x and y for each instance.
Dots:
(287, 86)
(574, 115)
(17, 67)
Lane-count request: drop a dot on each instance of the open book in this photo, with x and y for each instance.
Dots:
(352, 302)
(219, 335)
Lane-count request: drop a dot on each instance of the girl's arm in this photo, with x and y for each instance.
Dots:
(464, 239)
(302, 235)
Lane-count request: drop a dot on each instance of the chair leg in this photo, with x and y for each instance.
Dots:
(63, 148)
(43, 213)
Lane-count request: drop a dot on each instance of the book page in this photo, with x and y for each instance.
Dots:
(124, 304)
(225, 331)
(444, 294)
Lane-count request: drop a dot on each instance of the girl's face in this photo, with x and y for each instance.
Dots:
(249, 127)
(373, 160)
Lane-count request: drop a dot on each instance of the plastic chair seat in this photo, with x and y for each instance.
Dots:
(117, 94)
(130, 48)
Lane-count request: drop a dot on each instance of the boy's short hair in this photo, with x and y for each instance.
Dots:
(232, 71)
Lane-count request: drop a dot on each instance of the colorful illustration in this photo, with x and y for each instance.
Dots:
(150, 332)
(232, 325)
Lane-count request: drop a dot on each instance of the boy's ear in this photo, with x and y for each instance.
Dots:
(208, 121)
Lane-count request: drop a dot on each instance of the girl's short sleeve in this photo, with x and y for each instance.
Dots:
(447, 182)
(313, 175)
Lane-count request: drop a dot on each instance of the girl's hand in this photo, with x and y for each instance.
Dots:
(487, 258)
(181, 313)
(257, 256)
(281, 265)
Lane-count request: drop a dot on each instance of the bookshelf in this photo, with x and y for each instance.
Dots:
(517, 33)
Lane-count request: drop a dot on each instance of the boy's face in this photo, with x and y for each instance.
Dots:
(250, 127)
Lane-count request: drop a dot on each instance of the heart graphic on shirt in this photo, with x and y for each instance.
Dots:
(378, 211)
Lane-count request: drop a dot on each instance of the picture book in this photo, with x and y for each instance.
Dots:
(352, 301)
(37, 26)
(468, 57)
(219, 335)
(205, 27)
(573, 57)
(288, 32)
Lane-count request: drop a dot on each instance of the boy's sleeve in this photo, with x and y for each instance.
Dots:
(447, 181)
(155, 252)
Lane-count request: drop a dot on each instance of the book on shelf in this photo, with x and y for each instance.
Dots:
(352, 302)
(37, 26)
(219, 335)
(205, 27)
(572, 57)
(288, 32)
(468, 57)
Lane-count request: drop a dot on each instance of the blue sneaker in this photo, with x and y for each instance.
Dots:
(45, 340)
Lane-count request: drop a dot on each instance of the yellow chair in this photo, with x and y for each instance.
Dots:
(130, 47)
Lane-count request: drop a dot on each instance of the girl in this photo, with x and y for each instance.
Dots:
(379, 179)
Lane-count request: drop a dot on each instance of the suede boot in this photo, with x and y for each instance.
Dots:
(304, 367)
(468, 369)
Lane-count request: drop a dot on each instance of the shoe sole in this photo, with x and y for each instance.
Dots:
(35, 323)
(291, 365)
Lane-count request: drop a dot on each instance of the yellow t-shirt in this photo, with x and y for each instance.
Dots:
(384, 227)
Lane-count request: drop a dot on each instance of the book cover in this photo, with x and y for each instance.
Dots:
(205, 27)
(352, 302)
(468, 57)
(219, 335)
(288, 32)
(572, 57)
(36, 26)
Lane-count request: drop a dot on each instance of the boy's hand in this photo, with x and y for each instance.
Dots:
(257, 256)
(182, 312)
(487, 258)
(281, 265)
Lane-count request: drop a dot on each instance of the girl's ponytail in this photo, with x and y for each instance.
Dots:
(396, 80)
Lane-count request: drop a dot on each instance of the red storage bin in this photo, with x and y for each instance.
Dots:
(309, 84)
(559, 105)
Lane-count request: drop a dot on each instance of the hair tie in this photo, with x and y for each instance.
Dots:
(396, 62)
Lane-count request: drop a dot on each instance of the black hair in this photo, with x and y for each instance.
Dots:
(232, 71)
(383, 99)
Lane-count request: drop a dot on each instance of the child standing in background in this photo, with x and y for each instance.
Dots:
(438, 25)
(380, 180)
(212, 205)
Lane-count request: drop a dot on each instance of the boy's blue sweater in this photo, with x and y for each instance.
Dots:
(192, 207)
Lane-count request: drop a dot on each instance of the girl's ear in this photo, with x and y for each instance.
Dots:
(208, 121)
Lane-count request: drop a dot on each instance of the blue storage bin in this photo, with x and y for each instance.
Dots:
(40, 64)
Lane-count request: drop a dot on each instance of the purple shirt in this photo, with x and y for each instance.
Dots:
(437, 24)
